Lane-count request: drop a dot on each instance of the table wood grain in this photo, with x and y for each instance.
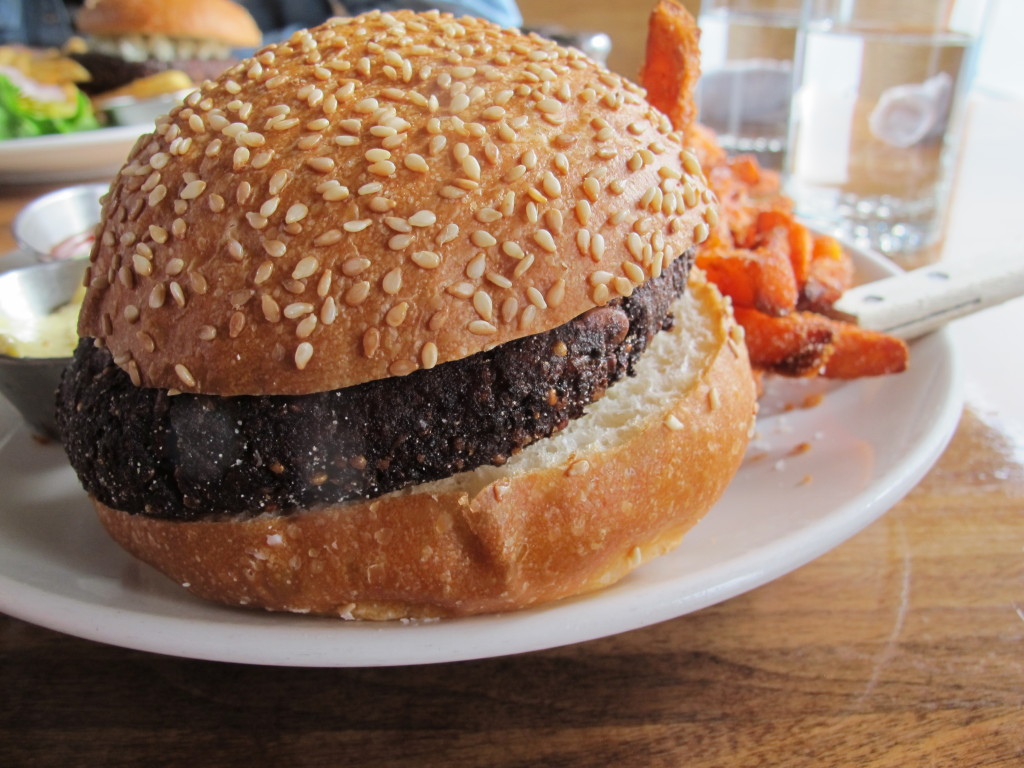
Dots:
(900, 648)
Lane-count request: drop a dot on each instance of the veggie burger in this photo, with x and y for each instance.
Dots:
(397, 319)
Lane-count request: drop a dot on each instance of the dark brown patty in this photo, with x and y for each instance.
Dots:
(187, 457)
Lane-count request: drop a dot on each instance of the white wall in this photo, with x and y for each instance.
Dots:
(1001, 61)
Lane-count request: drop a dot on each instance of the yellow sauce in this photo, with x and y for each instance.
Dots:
(52, 335)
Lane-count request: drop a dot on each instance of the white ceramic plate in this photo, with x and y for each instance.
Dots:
(66, 157)
(870, 442)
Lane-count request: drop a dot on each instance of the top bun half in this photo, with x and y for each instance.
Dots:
(220, 20)
(381, 194)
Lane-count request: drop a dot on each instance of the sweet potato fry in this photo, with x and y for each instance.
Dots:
(798, 344)
(830, 273)
(859, 352)
(672, 63)
(761, 278)
(799, 237)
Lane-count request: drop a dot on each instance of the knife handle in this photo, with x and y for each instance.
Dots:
(914, 303)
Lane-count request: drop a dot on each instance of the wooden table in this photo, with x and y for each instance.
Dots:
(902, 647)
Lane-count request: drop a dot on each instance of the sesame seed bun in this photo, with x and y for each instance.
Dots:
(568, 515)
(217, 20)
(378, 195)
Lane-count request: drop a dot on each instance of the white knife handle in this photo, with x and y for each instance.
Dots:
(917, 302)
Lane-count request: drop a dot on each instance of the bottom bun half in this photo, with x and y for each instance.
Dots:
(567, 515)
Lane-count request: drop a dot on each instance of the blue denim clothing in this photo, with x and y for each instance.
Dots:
(279, 18)
(48, 22)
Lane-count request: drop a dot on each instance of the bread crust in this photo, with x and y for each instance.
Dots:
(360, 202)
(220, 20)
(450, 549)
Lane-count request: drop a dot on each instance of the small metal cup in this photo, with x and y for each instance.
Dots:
(50, 220)
(30, 384)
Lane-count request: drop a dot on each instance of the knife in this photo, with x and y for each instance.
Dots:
(914, 303)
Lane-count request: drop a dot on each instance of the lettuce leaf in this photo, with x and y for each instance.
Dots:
(21, 116)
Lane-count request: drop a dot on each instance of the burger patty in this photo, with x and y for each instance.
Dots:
(186, 457)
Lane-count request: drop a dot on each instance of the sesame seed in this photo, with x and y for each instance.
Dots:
(700, 232)
(297, 309)
(451, 193)
(428, 355)
(400, 241)
(544, 239)
(481, 328)
(269, 207)
(471, 167)
(236, 324)
(350, 226)
(206, 333)
(158, 194)
(263, 272)
(303, 354)
(383, 168)
(296, 212)
(255, 220)
(461, 290)
(551, 186)
(426, 259)
(690, 162)
(184, 375)
(357, 293)
(577, 468)
(252, 139)
(422, 218)
(307, 267)
(633, 272)
(371, 188)
(483, 305)
(355, 266)
(397, 314)
(482, 239)
(556, 293)
(157, 295)
(334, 192)
(477, 266)
(306, 326)
(673, 422)
(449, 233)
(177, 293)
(320, 164)
(415, 162)
(398, 224)
(622, 286)
(392, 281)
(328, 311)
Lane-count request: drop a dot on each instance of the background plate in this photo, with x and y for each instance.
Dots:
(870, 442)
(85, 155)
